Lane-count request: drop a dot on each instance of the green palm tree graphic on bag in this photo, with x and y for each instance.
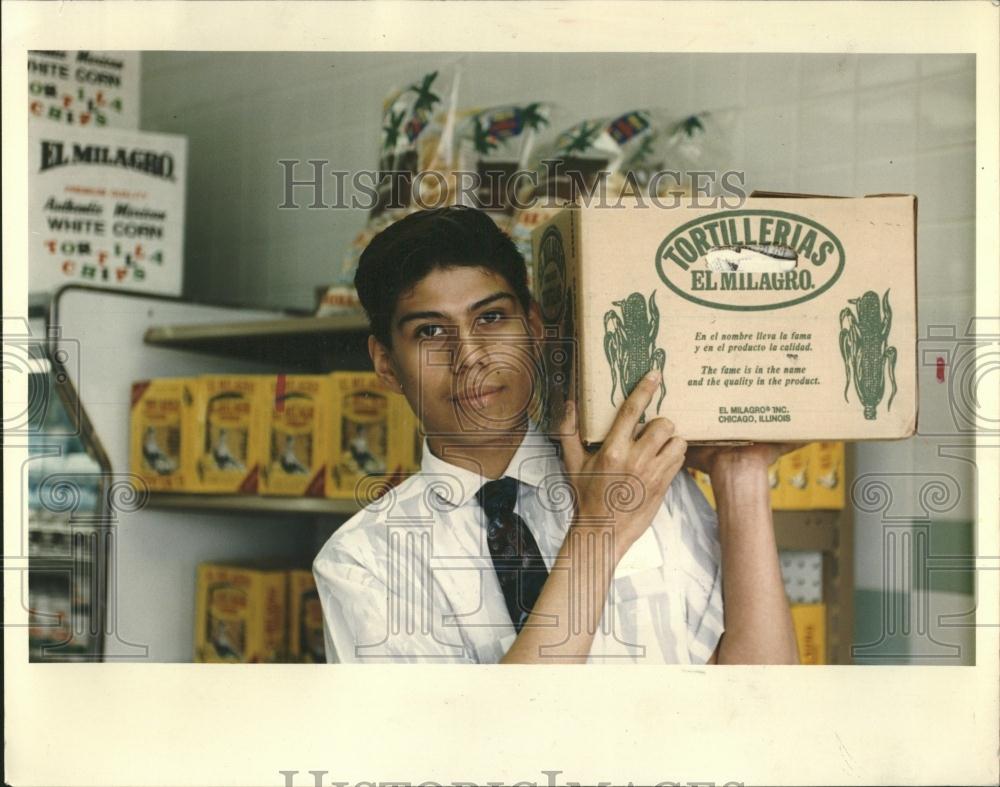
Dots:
(491, 128)
(426, 98)
(630, 344)
(864, 346)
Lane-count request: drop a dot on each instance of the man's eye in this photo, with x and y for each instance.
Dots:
(430, 331)
(490, 317)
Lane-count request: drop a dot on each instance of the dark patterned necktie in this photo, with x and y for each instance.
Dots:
(516, 557)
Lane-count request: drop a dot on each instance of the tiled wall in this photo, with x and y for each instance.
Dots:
(829, 123)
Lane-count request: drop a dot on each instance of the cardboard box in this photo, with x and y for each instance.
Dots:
(826, 481)
(240, 614)
(802, 573)
(157, 438)
(305, 619)
(793, 490)
(771, 321)
(810, 632)
(359, 436)
(295, 435)
(226, 428)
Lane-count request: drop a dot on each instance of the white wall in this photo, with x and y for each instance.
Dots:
(834, 124)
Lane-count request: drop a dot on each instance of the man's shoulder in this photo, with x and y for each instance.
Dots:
(365, 531)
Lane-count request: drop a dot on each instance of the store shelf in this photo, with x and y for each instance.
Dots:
(252, 504)
(297, 341)
(191, 336)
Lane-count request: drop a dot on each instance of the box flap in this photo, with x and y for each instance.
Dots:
(792, 195)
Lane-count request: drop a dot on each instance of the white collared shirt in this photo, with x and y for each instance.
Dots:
(410, 578)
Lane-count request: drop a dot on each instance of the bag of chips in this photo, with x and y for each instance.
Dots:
(494, 144)
(417, 124)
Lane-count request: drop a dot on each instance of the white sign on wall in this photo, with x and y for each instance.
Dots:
(106, 208)
(84, 89)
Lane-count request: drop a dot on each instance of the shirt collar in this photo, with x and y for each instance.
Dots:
(535, 459)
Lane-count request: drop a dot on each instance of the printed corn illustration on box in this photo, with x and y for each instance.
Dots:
(789, 318)
(295, 435)
(809, 621)
(240, 614)
(157, 441)
(226, 431)
(305, 619)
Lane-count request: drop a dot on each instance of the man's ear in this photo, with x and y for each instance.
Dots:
(383, 364)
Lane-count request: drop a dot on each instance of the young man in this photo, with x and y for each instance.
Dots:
(519, 547)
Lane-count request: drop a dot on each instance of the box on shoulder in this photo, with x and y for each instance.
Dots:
(787, 318)
(295, 434)
(240, 613)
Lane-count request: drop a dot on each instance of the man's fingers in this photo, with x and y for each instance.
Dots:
(674, 449)
(631, 411)
(653, 437)
(569, 439)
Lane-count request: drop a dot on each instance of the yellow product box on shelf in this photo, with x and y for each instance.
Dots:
(305, 619)
(157, 434)
(226, 434)
(295, 434)
(774, 483)
(240, 614)
(826, 482)
(359, 436)
(793, 479)
(810, 632)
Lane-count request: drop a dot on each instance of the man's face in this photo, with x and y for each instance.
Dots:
(464, 353)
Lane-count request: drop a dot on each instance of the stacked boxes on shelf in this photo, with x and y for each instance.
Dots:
(809, 478)
(305, 619)
(225, 437)
(240, 614)
(802, 572)
(341, 435)
(296, 434)
(252, 613)
(372, 433)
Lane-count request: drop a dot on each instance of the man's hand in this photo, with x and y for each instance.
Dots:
(713, 459)
(633, 467)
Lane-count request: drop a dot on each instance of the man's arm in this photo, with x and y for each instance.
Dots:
(565, 617)
(758, 620)
(564, 620)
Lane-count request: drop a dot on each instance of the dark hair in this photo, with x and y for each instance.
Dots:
(405, 252)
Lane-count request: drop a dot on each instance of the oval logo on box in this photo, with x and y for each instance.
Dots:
(750, 260)
(551, 275)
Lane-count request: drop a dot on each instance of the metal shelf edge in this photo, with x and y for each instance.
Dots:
(252, 504)
(172, 335)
